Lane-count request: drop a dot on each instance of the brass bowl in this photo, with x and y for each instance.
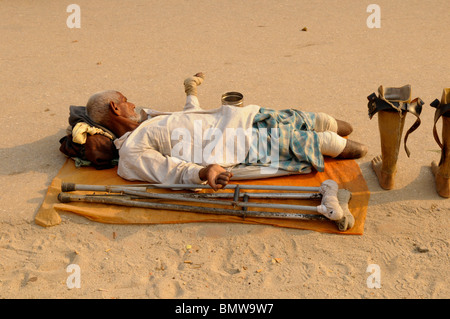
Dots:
(233, 98)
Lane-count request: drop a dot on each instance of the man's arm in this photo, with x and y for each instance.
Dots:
(153, 167)
(190, 88)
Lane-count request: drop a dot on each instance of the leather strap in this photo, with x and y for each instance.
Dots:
(414, 107)
(441, 110)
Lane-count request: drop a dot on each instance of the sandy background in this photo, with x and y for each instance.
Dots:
(145, 49)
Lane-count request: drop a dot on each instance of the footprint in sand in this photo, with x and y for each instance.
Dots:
(166, 289)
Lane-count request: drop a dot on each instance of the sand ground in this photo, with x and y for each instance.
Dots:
(145, 49)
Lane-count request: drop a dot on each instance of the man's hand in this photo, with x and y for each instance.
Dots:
(191, 83)
(217, 176)
(200, 75)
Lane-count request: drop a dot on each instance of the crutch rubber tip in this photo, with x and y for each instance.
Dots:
(346, 223)
(67, 187)
(64, 198)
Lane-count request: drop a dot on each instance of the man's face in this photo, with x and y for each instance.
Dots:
(127, 109)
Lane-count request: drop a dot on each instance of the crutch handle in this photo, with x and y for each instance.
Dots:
(64, 198)
(68, 187)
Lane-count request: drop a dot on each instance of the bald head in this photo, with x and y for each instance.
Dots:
(98, 105)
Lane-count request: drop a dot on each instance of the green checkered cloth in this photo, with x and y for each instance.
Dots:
(298, 143)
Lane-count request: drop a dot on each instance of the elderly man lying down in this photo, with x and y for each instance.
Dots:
(197, 146)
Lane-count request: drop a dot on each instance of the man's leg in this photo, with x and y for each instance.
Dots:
(331, 144)
(325, 122)
(344, 128)
(353, 150)
(330, 131)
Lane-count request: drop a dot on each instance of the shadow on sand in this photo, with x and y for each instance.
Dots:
(421, 188)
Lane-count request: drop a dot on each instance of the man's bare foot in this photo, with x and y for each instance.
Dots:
(442, 183)
(353, 150)
(344, 128)
(386, 180)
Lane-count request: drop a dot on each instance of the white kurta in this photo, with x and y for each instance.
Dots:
(172, 147)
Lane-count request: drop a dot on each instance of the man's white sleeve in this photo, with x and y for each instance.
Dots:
(192, 103)
(153, 167)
